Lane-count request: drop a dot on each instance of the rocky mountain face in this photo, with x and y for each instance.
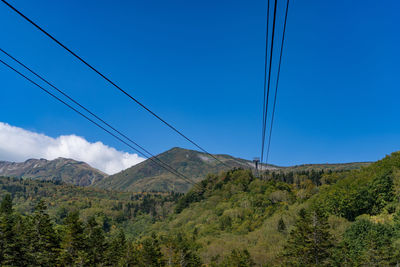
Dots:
(60, 169)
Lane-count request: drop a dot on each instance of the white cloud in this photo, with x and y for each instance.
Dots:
(17, 144)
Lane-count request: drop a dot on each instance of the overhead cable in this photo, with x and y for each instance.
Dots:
(92, 121)
(111, 82)
(277, 82)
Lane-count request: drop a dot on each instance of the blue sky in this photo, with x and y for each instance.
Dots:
(199, 65)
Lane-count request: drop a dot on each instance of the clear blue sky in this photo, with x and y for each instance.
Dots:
(199, 64)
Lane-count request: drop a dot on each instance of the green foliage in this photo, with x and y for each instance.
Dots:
(33, 240)
(181, 251)
(359, 193)
(73, 246)
(150, 252)
(6, 205)
(239, 258)
(95, 242)
(44, 241)
(281, 225)
(368, 243)
(304, 218)
(191, 197)
(111, 209)
(309, 243)
(117, 248)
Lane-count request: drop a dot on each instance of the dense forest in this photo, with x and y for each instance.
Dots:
(304, 218)
(130, 211)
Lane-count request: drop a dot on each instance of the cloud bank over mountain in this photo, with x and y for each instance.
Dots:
(17, 144)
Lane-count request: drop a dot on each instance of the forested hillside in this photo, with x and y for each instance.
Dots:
(129, 211)
(309, 218)
(305, 218)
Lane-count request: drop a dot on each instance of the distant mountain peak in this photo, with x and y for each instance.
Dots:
(147, 176)
(59, 169)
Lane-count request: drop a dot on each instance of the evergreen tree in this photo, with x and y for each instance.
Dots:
(11, 236)
(6, 205)
(281, 225)
(132, 256)
(73, 246)
(44, 241)
(239, 258)
(151, 252)
(181, 251)
(116, 249)
(95, 242)
(309, 243)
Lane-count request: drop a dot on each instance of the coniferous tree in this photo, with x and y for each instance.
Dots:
(116, 248)
(281, 225)
(309, 243)
(73, 246)
(132, 255)
(6, 205)
(151, 254)
(181, 251)
(239, 258)
(11, 236)
(95, 242)
(44, 241)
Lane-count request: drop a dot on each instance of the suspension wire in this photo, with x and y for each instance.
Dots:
(269, 82)
(277, 82)
(265, 71)
(112, 83)
(89, 119)
(90, 112)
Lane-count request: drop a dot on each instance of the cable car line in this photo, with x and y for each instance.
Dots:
(97, 124)
(111, 82)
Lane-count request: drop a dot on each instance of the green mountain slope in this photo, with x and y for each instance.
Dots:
(148, 176)
(60, 169)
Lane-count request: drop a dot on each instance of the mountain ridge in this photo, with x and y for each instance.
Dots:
(60, 169)
(147, 176)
